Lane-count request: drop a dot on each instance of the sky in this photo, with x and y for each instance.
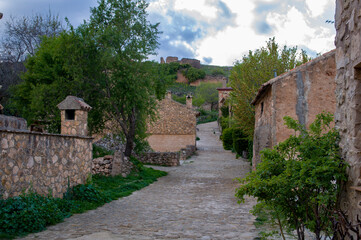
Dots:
(217, 32)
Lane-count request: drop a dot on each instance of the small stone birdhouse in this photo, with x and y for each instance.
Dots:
(74, 116)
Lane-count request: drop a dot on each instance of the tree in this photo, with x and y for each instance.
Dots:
(23, 35)
(299, 180)
(252, 71)
(103, 61)
(207, 93)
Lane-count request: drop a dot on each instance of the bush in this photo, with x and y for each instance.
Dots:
(31, 213)
(180, 99)
(206, 116)
(87, 193)
(227, 138)
(225, 111)
(193, 74)
(299, 179)
(99, 151)
(218, 72)
(240, 141)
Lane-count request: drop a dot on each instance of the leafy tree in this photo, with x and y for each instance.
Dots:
(193, 74)
(207, 93)
(252, 71)
(103, 61)
(299, 179)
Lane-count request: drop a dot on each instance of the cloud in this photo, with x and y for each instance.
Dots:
(207, 60)
(183, 27)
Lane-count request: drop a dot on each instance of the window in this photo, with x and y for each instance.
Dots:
(261, 108)
(69, 114)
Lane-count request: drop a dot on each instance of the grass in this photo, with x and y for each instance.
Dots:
(32, 212)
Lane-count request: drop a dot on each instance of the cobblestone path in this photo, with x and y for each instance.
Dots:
(195, 201)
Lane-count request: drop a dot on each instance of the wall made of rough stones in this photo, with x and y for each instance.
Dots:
(161, 158)
(348, 95)
(301, 93)
(170, 143)
(112, 165)
(78, 126)
(12, 123)
(174, 119)
(42, 161)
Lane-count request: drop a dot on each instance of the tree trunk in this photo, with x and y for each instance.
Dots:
(131, 134)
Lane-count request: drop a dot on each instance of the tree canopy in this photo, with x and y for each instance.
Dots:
(102, 61)
(252, 71)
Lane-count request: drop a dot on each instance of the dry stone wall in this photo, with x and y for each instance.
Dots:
(12, 123)
(348, 95)
(112, 165)
(43, 161)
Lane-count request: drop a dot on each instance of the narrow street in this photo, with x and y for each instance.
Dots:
(195, 201)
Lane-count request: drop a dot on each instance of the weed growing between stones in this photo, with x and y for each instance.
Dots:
(32, 212)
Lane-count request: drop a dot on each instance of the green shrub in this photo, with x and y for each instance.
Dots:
(227, 138)
(240, 141)
(180, 99)
(225, 111)
(99, 151)
(31, 213)
(206, 116)
(299, 180)
(193, 74)
(218, 72)
(224, 122)
(87, 193)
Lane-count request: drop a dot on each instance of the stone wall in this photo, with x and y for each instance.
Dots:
(112, 165)
(12, 123)
(161, 158)
(78, 126)
(43, 161)
(348, 95)
(301, 93)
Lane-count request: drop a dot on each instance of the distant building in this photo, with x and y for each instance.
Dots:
(175, 128)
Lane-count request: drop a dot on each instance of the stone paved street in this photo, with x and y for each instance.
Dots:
(195, 201)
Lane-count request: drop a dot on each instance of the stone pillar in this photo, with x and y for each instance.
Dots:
(189, 100)
(74, 116)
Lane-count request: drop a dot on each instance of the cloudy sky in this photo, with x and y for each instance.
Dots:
(217, 32)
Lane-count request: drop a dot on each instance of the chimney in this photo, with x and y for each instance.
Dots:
(169, 95)
(189, 101)
(74, 116)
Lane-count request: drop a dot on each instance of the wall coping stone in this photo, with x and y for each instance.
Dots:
(44, 134)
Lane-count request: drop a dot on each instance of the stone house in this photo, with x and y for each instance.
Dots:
(348, 95)
(301, 93)
(175, 128)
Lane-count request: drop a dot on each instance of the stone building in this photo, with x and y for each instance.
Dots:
(223, 94)
(348, 95)
(175, 128)
(301, 93)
